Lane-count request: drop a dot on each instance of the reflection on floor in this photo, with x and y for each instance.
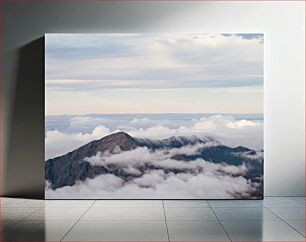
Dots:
(274, 219)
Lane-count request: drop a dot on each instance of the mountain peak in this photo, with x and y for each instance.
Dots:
(119, 134)
(120, 139)
(117, 137)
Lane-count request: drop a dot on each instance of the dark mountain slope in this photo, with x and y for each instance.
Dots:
(66, 170)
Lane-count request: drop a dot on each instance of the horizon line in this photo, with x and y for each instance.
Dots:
(214, 113)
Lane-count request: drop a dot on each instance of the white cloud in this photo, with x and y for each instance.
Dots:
(58, 143)
(151, 179)
(142, 156)
(225, 128)
(156, 184)
(241, 124)
(131, 60)
(179, 65)
(147, 123)
(131, 171)
(81, 121)
(135, 161)
(157, 131)
(195, 179)
(205, 125)
(259, 155)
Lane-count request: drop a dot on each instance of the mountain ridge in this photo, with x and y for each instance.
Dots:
(67, 169)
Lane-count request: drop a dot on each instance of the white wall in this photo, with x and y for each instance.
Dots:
(282, 22)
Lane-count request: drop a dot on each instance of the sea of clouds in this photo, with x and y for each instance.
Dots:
(193, 179)
(64, 134)
(157, 185)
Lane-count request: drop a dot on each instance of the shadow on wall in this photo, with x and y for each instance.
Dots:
(25, 151)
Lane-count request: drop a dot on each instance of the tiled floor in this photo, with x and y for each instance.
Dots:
(274, 219)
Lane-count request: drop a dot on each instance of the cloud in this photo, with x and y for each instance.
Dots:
(105, 183)
(156, 184)
(58, 143)
(259, 155)
(142, 156)
(133, 73)
(225, 128)
(81, 121)
(241, 124)
(153, 61)
(150, 180)
(146, 122)
(196, 178)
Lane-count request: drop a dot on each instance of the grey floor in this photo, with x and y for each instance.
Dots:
(274, 219)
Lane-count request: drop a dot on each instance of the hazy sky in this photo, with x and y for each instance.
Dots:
(154, 73)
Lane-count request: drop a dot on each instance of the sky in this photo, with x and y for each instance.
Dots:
(153, 73)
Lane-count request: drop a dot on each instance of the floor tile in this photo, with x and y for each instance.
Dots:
(21, 203)
(7, 228)
(118, 231)
(16, 213)
(196, 231)
(4, 224)
(261, 231)
(39, 230)
(124, 214)
(244, 214)
(300, 200)
(235, 203)
(144, 220)
(281, 202)
(189, 214)
(57, 214)
(298, 225)
(185, 203)
(289, 213)
(69, 203)
(128, 204)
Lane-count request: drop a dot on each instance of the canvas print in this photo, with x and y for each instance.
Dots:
(154, 116)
